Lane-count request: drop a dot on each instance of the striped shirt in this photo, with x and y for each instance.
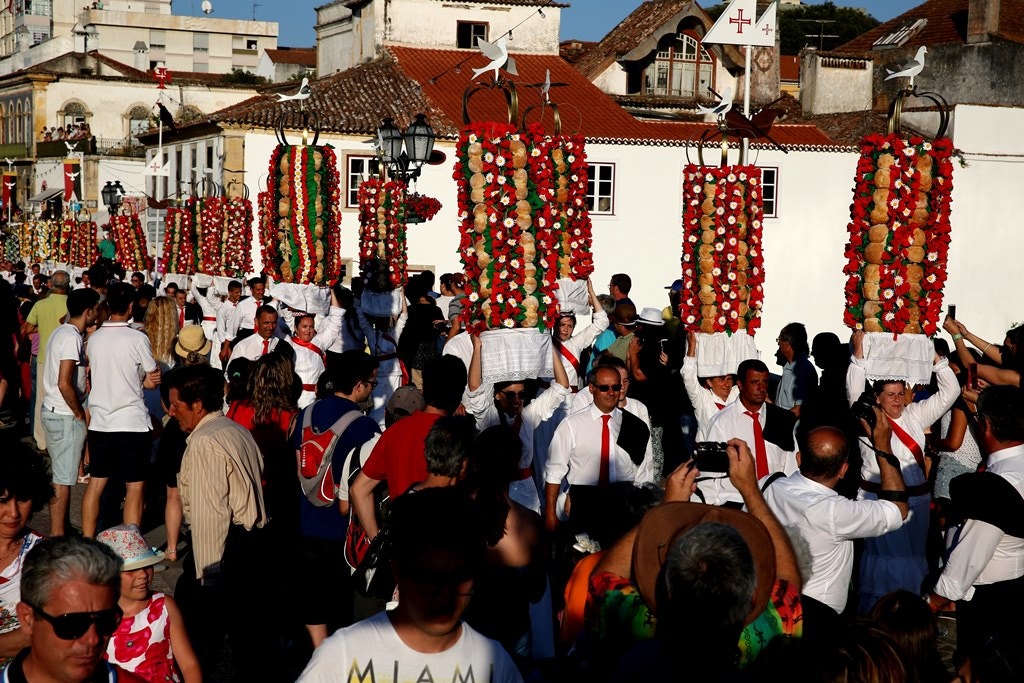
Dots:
(219, 484)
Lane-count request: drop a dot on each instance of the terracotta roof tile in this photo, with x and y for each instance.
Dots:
(355, 101)
(303, 56)
(572, 50)
(352, 101)
(947, 23)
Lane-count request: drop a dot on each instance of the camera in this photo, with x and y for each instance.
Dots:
(864, 409)
(711, 456)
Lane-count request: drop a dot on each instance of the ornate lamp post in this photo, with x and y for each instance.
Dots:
(112, 193)
(403, 154)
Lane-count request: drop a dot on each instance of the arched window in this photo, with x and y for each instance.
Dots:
(16, 137)
(27, 123)
(138, 121)
(188, 112)
(74, 113)
(681, 68)
(4, 137)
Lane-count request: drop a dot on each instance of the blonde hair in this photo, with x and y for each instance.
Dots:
(161, 326)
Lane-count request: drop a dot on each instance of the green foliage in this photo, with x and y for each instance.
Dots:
(244, 77)
(849, 23)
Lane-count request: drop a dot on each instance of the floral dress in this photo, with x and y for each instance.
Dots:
(142, 644)
(10, 589)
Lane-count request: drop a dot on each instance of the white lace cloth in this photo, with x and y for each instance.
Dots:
(906, 357)
(308, 298)
(573, 296)
(721, 354)
(515, 355)
(180, 280)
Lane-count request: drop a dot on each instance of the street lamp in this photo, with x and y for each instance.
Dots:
(405, 153)
(112, 193)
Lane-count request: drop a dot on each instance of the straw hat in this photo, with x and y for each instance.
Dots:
(192, 343)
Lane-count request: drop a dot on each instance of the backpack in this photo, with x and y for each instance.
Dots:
(316, 477)
(366, 558)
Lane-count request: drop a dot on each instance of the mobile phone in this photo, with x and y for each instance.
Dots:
(952, 311)
(972, 376)
(662, 343)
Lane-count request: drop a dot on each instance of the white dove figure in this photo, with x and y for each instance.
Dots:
(723, 106)
(497, 52)
(9, 161)
(71, 148)
(911, 68)
(304, 93)
(545, 90)
(73, 175)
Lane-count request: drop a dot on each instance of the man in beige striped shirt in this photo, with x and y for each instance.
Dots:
(229, 574)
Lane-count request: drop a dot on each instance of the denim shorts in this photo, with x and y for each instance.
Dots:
(65, 440)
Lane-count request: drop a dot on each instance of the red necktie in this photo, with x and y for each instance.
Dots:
(720, 405)
(760, 454)
(517, 423)
(181, 318)
(266, 347)
(606, 450)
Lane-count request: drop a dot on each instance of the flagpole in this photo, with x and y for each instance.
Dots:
(745, 142)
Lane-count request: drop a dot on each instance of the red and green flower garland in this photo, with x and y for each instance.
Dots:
(179, 242)
(568, 196)
(208, 213)
(723, 267)
(899, 235)
(303, 204)
(63, 250)
(84, 249)
(130, 242)
(37, 241)
(382, 241)
(507, 231)
(236, 259)
(421, 206)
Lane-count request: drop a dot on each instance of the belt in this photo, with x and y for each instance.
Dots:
(387, 356)
(916, 490)
(309, 387)
(208, 319)
(524, 473)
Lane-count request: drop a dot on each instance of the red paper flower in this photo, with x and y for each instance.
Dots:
(382, 238)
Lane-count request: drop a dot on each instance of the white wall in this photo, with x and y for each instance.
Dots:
(428, 23)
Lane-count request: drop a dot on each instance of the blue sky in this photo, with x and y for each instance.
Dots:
(585, 20)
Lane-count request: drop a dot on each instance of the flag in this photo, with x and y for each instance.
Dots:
(72, 179)
(765, 29)
(10, 180)
(735, 26)
(157, 167)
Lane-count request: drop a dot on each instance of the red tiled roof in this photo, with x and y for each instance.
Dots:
(405, 80)
(947, 23)
(303, 56)
(789, 68)
(572, 50)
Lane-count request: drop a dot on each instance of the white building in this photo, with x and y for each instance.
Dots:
(141, 33)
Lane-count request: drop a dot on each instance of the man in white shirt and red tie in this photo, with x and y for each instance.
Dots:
(222, 337)
(243, 321)
(897, 560)
(261, 343)
(596, 447)
(984, 573)
(766, 429)
(189, 313)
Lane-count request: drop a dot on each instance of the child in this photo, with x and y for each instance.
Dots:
(151, 638)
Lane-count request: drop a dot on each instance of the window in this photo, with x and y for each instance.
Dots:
(359, 169)
(252, 44)
(74, 113)
(157, 40)
(681, 68)
(770, 191)
(468, 33)
(201, 42)
(138, 122)
(601, 188)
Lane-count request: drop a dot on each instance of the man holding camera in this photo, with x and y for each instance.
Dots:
(896, 561)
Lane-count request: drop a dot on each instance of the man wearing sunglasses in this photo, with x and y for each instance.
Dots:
(68, 608)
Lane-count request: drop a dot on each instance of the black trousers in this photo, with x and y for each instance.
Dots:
(994, 611)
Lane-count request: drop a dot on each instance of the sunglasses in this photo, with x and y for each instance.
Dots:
(74, 625)
(514, 394)
(605, 388)
(373, 383)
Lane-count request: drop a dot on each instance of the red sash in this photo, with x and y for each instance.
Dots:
(909, 442)
(567, 354)
(312, 347)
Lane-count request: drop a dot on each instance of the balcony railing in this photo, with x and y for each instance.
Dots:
(13, 150)
(124, 147)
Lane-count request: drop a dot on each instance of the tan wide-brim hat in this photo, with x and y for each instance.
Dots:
(662, 525)
(192, 339)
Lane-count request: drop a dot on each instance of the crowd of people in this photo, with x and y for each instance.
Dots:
(352, 495)
(70, 131)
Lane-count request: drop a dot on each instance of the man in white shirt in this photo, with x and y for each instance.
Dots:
(829, 522)
(244, 319)
(897, 560)
(261, 343)
(984, 573)
(208, 305)
(766, 429)
(121, 366)
(438, 546)
(225, 313)
(62, 413)
(587, 449)
(504, 403)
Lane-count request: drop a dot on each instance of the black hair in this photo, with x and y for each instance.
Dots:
(238, 379)
(494, 464)
(623, 282)
(444, 381)
(120, 297)
(1002, 407)
(750, 364)
(81, 300)
(198, 383)
(23, 476)
(352, 367)
(796, 335)
(436, 520)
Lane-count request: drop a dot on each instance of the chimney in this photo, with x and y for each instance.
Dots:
(982, 20)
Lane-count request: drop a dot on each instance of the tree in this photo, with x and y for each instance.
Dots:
(848, 23)
(244, 77)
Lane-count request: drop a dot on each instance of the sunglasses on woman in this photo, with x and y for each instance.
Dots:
(74, 625)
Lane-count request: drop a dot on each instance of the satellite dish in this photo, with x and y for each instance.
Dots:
(207, 7)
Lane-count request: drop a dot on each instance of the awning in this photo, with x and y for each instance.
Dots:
(46, 194)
